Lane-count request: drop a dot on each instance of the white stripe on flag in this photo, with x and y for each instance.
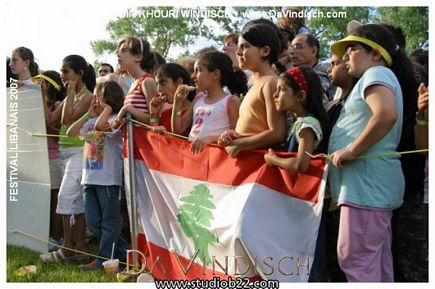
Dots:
(273, 229)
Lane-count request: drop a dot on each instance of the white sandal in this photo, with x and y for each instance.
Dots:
(55, 256)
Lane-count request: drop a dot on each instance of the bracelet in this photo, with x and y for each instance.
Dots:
(86, 116)
(420, 121)
(154, 120)
(175, 112)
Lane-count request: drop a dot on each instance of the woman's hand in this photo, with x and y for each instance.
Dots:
(70, 86)
(340, 156)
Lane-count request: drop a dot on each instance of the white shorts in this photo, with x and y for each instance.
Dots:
(56, 172)
(71, 198)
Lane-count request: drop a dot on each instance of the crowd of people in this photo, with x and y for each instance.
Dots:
(267, 89)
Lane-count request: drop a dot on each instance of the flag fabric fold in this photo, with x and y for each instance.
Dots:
(205, 215)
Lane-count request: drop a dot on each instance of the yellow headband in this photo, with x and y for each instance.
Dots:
(51, 81)
(339, 47)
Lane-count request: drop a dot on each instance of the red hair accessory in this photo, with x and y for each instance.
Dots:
(298, 75)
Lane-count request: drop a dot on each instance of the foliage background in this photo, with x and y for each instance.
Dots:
(169, 34)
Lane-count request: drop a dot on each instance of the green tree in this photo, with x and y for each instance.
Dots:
(329, 30)
(165, 32)
(194, 218)
(414, 22)
(159, 26)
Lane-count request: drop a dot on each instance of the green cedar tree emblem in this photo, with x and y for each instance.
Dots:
(194, 218)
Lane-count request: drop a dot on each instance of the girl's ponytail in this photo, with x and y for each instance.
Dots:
(89, 77)
(27, 54)
(77, 63)
(236, 81)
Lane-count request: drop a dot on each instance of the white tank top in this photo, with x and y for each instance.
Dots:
(210, 119)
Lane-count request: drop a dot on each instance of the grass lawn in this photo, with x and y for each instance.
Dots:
(48, 272)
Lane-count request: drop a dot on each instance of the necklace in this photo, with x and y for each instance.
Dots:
(80, 92)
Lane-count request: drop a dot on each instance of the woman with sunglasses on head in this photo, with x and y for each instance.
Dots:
(369, 189)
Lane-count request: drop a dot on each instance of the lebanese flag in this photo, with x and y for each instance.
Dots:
(205, 215)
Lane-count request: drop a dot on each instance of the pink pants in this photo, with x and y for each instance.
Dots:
(364, 245)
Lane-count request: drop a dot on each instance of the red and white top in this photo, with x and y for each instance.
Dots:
(136, 97)
(210, 119)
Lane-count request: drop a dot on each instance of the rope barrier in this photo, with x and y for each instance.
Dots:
(379, 155)
(35, 134)
(153, 129)
(54, 135)
(16, 231)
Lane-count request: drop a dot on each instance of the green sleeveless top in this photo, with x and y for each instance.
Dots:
(70, 142)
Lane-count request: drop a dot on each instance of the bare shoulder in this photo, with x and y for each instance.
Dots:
(269, 87)
(234, 100)
(149, 82)
(87, 96)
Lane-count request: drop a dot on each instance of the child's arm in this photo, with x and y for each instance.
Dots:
(74, 129)
(136, 113)
(301, 162)
(421, 128)
(181, 123)
(52, 118)
(233, 111)
(102, 123)
(276, 123)
(382, 103)
(198, 144)
(156, 105)
(150, 91)
(149, 88)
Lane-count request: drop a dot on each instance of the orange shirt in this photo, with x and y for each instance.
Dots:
(252, 113)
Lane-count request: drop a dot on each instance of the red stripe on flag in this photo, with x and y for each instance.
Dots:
(173, 156)
(164, 265)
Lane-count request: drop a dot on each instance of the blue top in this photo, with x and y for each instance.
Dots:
(375, 182)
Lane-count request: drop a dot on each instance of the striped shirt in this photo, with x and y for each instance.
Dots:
(136, 96)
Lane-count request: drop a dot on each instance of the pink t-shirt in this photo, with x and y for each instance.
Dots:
(53, 142)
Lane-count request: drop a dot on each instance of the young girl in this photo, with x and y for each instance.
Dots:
(168, 77)
(341, 79)
(53, 93)
(260, 125)
(299, 91)
(344, 82)
(102, 170)
(79, 78)
(368, 190)
(135, 57)
(213, 110)
(23, 65)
